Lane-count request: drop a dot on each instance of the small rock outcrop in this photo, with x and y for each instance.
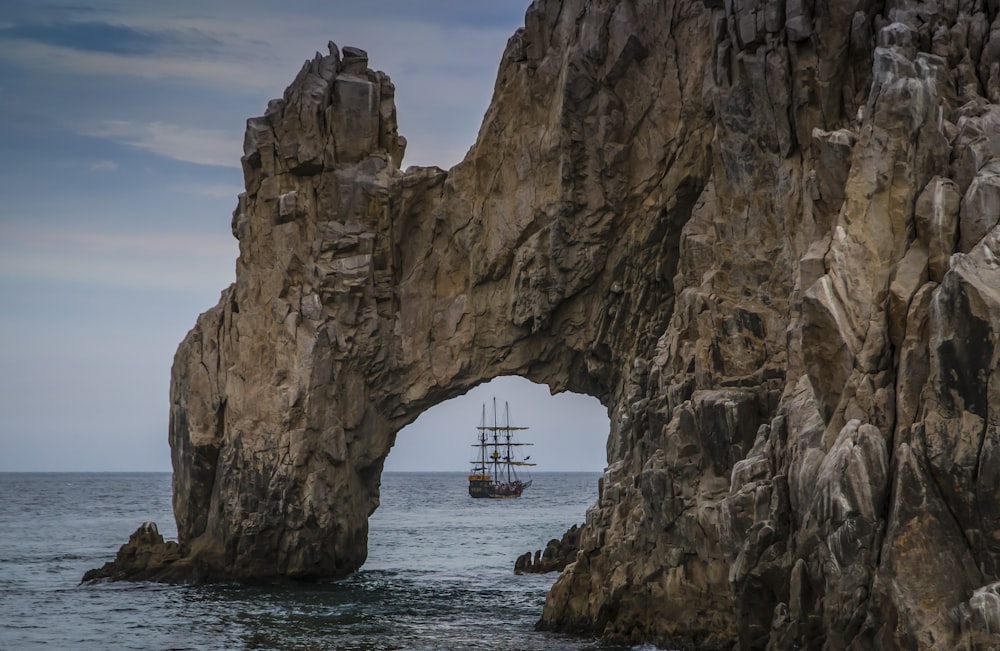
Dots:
(558, 553)
(763, 233)
(145, 557)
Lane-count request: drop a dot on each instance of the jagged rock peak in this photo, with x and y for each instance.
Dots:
(337, 112)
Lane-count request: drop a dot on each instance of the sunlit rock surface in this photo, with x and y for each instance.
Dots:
(763, 233)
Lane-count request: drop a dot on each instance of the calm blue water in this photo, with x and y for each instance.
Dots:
(439, 573)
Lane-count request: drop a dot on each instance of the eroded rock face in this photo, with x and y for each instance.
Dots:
(558, 553)
(764, 234)
(145, 557)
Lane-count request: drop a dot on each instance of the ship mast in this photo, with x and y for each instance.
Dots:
(506, 416)
(482, 443)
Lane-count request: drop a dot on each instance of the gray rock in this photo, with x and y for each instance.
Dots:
(980, 206)
(936, 221)
(558, 553)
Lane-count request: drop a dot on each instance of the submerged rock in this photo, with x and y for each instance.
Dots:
(760, 233)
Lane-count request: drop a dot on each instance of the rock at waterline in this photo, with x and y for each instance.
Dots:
(556, 556)
(143, 558)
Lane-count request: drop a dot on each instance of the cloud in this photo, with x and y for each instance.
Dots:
(184, 244)
(96, 36)
(103, 166)
(183, 143)
(153, 261)
(203, 71)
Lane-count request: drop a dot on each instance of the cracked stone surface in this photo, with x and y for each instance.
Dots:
(762, 233)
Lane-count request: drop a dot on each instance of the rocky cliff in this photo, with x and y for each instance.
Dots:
(762, 232)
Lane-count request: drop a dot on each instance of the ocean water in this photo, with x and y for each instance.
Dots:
(439, 573)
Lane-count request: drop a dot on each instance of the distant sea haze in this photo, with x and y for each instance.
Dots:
(439, 573)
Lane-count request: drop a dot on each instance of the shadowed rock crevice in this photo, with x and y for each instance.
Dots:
(763, 234)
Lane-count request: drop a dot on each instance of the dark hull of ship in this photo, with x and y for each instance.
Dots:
(488, 489)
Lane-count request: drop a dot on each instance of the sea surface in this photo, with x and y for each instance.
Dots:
(439, 573)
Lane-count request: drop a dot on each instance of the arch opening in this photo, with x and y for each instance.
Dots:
(424, 497)
(569, 430)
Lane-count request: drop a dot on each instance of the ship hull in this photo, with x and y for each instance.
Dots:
(481, 486)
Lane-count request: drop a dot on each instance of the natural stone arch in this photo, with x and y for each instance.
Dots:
(365, 295)
(753, 249)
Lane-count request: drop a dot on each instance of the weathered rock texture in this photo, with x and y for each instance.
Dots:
(558, 553)
(145, 557)
(762, 232)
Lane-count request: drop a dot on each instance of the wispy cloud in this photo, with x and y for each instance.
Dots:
(154, 261)
(183, 143)
(103, 166)
(85, 35)
(201, 71)
(185, 244)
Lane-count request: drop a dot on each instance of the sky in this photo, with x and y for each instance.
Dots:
(121, 129)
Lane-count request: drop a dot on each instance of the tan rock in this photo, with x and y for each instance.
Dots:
(910, 275)
(763, 234)
(980, 206)
(936, 221)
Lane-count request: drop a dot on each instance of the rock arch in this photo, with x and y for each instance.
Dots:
(364, 295)
(763, 234)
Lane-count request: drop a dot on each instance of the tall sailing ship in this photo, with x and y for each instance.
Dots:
(494, 472)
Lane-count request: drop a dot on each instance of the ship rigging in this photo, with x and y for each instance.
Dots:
(494, 471)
